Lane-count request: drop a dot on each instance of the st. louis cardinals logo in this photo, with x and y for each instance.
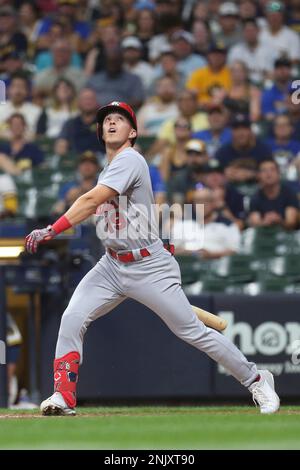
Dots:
(114, 220)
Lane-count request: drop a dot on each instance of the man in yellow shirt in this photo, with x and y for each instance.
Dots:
(211, 83)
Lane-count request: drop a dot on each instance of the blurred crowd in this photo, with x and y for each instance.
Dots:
(214, 84)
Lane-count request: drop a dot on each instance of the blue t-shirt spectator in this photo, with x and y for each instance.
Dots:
(82, 28)
(286, 198)
(255, 154)
(212, 143)
(44, 60)
(284, 154)
(273, 100)
(158, 185)
(81, 136)
(29, 151)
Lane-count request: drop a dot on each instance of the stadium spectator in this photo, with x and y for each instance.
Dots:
(167, 25)
(213, 81)
(240, 157)
(293, 15)
(67, 14)
(258, 57)
(30, 24)
(105, 38)
(202, 36)
(114, 83)
(44, 57)
(86, 179)
(79, 133)
(217, 237)
(230, 28)
(18, 102)
(145, 26)
(284, 148)
(247, 9)
(133, 63)
(217, 132)
(229, 201)
(60, 107)
(62, 68)
(20, 153)
(243, 96)
(158, 186)
(8, 196)
(166, 66)
(275, 99)
(187, 61)
(11, 39)
(159, 108)
(185, 181)
(173, 157)
(277, 36)
(275, 203)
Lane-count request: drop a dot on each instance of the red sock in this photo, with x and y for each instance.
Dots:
(66, 376)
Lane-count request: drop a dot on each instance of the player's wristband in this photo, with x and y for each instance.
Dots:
(61, 225)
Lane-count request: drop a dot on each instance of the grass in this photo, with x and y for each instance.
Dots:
(152, 428)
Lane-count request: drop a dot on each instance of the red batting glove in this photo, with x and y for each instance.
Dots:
(38, 236)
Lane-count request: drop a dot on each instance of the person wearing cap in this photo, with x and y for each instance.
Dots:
(277, 36)
(241, 156)
(212, 81)
(132, 56)
(183, 43)
(258, 57)
(217, 132)
(230, 28)
(181, 187)
(274, 100)
(86, 178)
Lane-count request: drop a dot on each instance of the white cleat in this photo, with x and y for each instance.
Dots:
(263, 393)
(56, 406)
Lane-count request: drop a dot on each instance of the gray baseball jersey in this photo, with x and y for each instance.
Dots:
(154, 280)
(128, 221)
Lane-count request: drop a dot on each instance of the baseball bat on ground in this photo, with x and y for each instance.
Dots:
(209, 319)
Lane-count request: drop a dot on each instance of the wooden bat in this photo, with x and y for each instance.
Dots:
(209, 319)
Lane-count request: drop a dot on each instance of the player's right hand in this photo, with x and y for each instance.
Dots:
(38, 236)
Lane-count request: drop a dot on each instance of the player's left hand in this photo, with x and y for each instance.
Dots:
(38, 236)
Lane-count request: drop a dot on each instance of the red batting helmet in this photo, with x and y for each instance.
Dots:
(115, 107)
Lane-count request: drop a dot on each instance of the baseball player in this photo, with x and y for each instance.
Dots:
(135, 265)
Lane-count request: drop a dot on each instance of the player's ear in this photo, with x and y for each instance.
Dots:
(132, 134)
